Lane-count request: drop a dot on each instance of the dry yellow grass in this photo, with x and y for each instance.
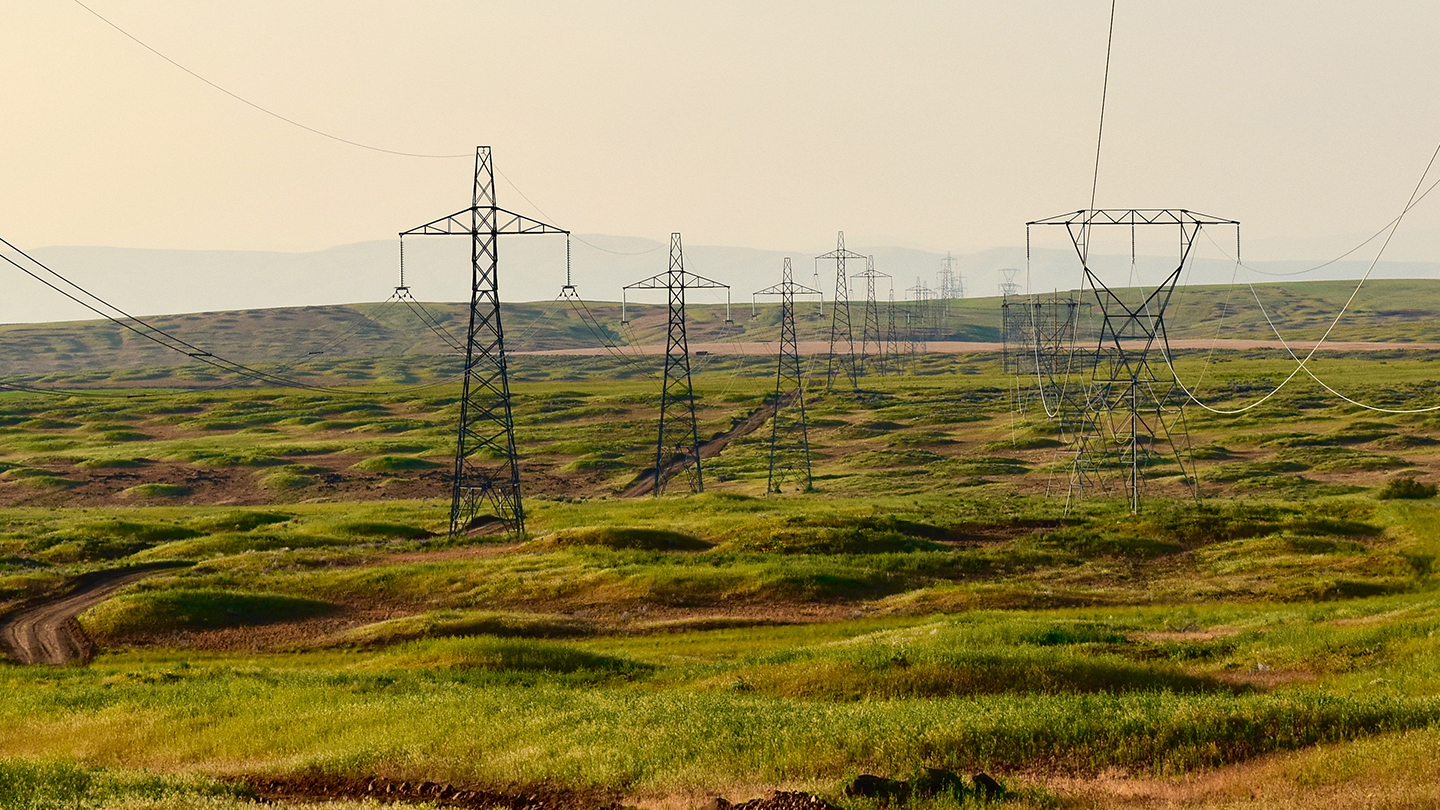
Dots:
(1388, 771)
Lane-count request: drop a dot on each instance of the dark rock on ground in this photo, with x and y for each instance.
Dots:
(870, 786)
(783, 800)
(987, 785)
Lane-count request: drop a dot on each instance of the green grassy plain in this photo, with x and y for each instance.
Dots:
(935, 602)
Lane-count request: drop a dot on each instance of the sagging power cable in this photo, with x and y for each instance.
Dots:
(145, 329)
(1302, 363)
(292, 122)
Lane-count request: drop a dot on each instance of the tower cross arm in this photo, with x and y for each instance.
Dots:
(842, 253)
(871, 273)
(688, 280)
(787, 287)
(512, 223)
(444, 226)
(1133, 216)
(463, 223)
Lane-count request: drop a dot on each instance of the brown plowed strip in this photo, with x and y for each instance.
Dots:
(48, 633)
(387, 791)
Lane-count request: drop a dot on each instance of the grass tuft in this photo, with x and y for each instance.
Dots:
(623, 537)
(394, 464)
(158, 612)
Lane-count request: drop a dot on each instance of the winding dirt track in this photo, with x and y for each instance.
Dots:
(47, 632)
(644, 484)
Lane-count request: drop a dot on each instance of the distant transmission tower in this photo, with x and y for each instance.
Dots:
(677, 445)
(892, 337)
(840, 319)
(1009, 287)
(486, 465)
(789, 433)
(949, 284)
(871, 332)
(923, 317)
(1130, 404)
(957, 283)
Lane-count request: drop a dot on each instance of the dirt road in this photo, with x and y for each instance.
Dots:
(820, 347)
(644, 484)
(47, 632)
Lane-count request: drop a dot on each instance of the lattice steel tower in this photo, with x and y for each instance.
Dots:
(923, 320)
(1009, 287)
(840, 319)
(871, 332)
(892, 337)
(789, 434)
(1130, 405)
(677, 445)
(486, 465)
(951, 284)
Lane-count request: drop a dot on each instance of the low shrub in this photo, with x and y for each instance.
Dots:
(1406, 487)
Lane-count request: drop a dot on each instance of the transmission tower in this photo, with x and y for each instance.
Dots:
(840, 319)
(892, 337)
(1008, 287)
(677, 445)
(789, 435)
(871, 332)
(486, 465)
(957, 279)
(1130, 405)
(1038, 333)
(952, 286)
(923, 321)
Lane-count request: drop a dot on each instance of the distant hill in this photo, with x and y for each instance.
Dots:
(304, 337)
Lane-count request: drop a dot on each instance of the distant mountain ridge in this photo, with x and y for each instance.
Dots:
(155, 281)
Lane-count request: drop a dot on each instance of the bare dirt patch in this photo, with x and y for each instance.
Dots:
(266, 637)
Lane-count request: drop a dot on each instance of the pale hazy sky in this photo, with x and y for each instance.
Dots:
(939, 125)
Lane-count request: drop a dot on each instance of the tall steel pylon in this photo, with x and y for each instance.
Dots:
(677, 445)
(789, 436)
(892, 337)
(871, 332)
(946, 279)
(1009, 288)
(840, 319)
(922, 316)
(1130, 404)
(486, 465)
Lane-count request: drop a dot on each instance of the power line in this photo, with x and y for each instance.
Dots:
(1342, 256)
(253, 105)
(1302, 363)
(1104, 92)
(170, 342)
(173, 342)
